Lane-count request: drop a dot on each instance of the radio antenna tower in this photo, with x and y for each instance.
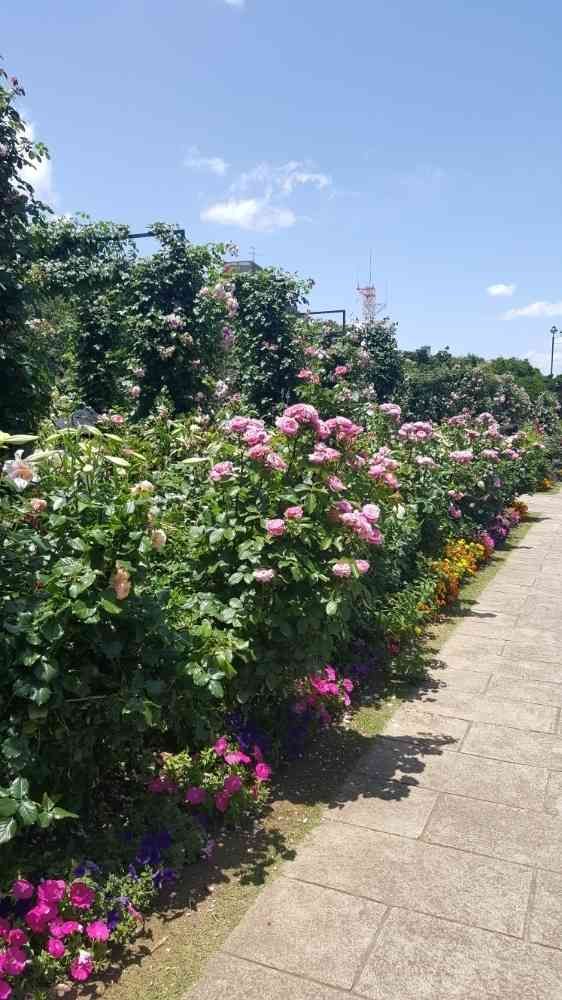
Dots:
(368, 296)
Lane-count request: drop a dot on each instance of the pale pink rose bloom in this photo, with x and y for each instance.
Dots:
(294, 513)
(135, 391)
(264, 575)
(117, 419)
(237, 425)
(275, 527)
(371, 512)
(220, 471)
(274, 461)
(38, 505)
(287, 425)
(341, 569)
(158, 538)
(335, 484)
(21, 473)
(121, 583)
(362, 566)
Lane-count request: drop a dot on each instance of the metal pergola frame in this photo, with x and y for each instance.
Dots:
(329, 312)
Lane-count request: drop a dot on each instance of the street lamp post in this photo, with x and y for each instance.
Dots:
(555, 332)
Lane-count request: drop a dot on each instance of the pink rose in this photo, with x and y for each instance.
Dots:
(17, 937)
(232, 784)
(38, 505)
(55, 948)
(341, 569)
(220, 471)
(14, 961)
(195, 795)
(293, 513)
(135, 391)
(81, 896)
(38, 918)
(275, 527)
(64, 928)
(22, 889)
(264, 575)
(274, 461)
(5, 990)
(362, 566)
(263, 772)
(371, 512)
(335, 484)
(287, 425)
(97, 930)
(117, 419)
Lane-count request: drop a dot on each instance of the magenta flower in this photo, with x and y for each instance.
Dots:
(82, 967)
(237, 757)
(222, 800)
(161, 785)
(330, 673)
(294, 513)
(14, 961)
(64, 928)
(263, 772)
(81, 896)
(347, 685)
(52, 890)
(97, 930)
(38, 918)
(5, 990)
(221, 746)
(341, 370)
(275, 527)
(55, 948)
(232, 784)
(22, 889)
(455, 512)
(195, 795)
(264, 575)
(237, 425)
(17, 937)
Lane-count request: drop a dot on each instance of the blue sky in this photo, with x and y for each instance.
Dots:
(315, 130)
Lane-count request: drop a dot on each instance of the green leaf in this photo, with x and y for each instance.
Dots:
(19, 788)
(235, 578)
(332, 608)
(8, 830)
(115, 460)
(8, 807)
(216, 536)
(59, 813)
(110, 606)
(41, 695)
(28, 812)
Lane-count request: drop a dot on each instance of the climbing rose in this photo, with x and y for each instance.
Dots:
(135, 391)
(222, 470)
(294, 513)
(159, 539)
(81, 896)
(97, 930)
(82, 967)
(264, 575)
(121, 583)
(263, 772)
(287, 425)
(275, 527)
(55, 948)
(335, 484)
(341, 569)
(362, 566)
(22, 889)
(371, 512)
(17, 937)
(14, 961)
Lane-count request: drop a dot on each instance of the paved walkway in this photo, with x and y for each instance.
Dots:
(437, 873)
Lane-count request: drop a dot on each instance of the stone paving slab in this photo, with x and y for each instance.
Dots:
(422, 958)
(436, 872)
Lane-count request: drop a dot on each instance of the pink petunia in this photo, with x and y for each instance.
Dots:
(222, 800)
(81, 896)
(22, 889)
(64, 928)
(195, 795)
(221, 746)
(97, 930)
(82, 967)
(18, 938)
(55, 948)
(232, 784)
(52, 890)
(237, 757)
(39, 917)
(263, 772)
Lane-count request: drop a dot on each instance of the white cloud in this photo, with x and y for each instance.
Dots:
(535, 310)
(257, 198)
(215, 164)
(500, 290)
(257, 214)
(40, 174)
